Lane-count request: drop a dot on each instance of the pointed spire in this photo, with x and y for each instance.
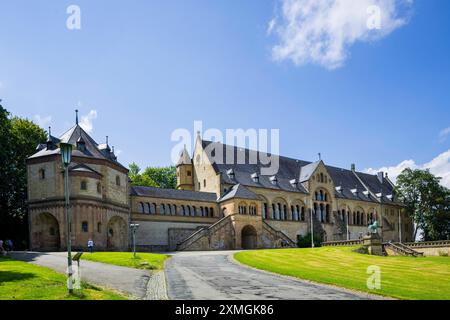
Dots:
(49, 132)
(76, 116)
(320, 156)
(107, 140)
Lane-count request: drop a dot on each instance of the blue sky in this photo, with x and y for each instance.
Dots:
(150, 67)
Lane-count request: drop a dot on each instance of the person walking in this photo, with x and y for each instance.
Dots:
(90, 245)
(9, 245)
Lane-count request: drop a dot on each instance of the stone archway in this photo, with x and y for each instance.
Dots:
(249, 237)
(46, 236)
(116, 234)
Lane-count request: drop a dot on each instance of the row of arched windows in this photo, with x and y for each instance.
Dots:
(280, 211)
(251, 209)
(173, 210)
(322, 212)
(321, 196)
(357, 218)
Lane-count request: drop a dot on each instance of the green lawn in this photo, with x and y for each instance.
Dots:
(24, 281)
(401, 277)
(151, 261)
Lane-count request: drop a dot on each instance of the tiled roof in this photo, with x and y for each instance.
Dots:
(72, 136)
(293, 170)
(173, 194)
(240, 192)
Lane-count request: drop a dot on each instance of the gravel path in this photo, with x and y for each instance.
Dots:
(214, 275)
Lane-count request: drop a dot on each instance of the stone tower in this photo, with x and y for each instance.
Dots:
(99, 195)
(185, 174)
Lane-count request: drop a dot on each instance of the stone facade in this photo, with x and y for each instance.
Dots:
(214, 208)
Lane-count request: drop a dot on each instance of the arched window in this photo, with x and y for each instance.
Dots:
(321, 177)
(284, 212)
(327, 213)
(169, 209)
(149, 207)
(303, 214)
(183, 210)
(322, 213)
(202, 212)
(273, 212)
(153, 208)
(83, 185)
(206, 212)
(188, 210)
(117, 180)
(204, 183)
(264, 211)
(145, 207)
(211, 212)
(99, 187)
(84, 226)
(278, 212)
(99, 227)
(162, 208)
(141, 207)
(316, 196)
(42, 174)
(194, 211)
(174, 211)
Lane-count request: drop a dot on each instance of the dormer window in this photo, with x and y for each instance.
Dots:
(379, 195)
(390, 197)
(255, 177)
(354, 191)
(339, 189)
(273, 179)
(230, 173)
(366, 193)
(294, 183)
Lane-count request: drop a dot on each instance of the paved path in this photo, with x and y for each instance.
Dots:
(132, 282)
(213, 275)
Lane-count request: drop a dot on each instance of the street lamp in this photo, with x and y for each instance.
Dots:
(311, 219)
(66, 155)
(134, 227)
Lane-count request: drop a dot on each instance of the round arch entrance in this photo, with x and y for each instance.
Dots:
(46, 232)
(117, 234)
(249, 237)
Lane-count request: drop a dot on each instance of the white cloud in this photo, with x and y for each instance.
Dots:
(321, 31)
(86, 121)
(42, 121)
(439, 166)
(444, 134)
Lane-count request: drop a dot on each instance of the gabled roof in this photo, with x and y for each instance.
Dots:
(240, 192)
(291, 169)
(173, 194)
(307, 171)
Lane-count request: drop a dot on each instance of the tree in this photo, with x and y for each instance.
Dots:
(163, 177)
(427, 202)
(19, 140)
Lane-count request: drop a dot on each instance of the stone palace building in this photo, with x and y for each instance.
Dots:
(217, 205)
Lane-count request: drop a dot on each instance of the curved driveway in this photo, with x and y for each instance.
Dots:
(213, 275)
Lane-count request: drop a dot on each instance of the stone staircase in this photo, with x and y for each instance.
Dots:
(401, 249)
(341, 226)
(279, 234)
(203, 232)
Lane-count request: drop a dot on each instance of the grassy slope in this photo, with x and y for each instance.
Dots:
(24, 281)
(151, 261)
(401, 277)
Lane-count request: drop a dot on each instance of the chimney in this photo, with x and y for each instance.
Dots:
(353, 167)
(380, 176)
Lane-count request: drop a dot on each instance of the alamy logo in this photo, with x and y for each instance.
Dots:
(253, 139)
(374, 20)
(374, 279)
(73, 22)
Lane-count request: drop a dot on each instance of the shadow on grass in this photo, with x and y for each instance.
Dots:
(12, 276)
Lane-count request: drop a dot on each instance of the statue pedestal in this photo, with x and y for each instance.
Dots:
(373, 244)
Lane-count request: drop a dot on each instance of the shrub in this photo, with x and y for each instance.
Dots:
(305, 241)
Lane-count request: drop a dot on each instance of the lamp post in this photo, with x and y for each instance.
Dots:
(134, 227)
(312, 222)
(66, 155)
(346, 218)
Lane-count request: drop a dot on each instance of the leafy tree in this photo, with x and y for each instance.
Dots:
(19, 138)
(427, 203)
(164, 177)
(305, 241)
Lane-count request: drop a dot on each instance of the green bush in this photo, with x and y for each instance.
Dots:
(305, 241)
